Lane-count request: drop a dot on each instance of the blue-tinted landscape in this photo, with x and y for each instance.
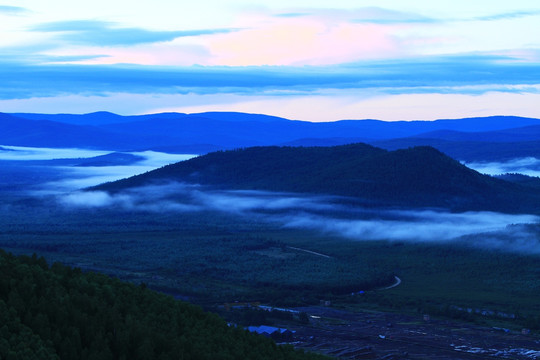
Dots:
(269, 180)
(364, 215)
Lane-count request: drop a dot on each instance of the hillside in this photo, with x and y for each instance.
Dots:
(420, 176)
(59, 312)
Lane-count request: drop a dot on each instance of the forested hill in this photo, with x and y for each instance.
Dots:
(420, 176)
(61, 313)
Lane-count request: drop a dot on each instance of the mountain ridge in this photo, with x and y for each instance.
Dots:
(205, 132)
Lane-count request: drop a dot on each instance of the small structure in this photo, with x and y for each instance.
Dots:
(275, 333)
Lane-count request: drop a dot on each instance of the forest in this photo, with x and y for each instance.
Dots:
(59, 312)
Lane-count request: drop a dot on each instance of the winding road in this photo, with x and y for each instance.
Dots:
(398, 281)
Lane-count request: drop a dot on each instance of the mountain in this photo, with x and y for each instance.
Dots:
(238, 116)
(497, 145)
(527, 133)
(45, 133)
(417, 177)
(365, 128)
(104, 117)
(469, 151)
(95, 118)
(465, 139)
(232, 130)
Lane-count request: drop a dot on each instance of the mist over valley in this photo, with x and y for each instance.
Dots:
(289, 226)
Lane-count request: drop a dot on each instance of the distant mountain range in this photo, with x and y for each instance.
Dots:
(467, 139)
(414, 177)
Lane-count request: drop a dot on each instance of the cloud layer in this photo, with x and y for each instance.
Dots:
(430, 75)
(12, 10)
(280, 51)
(528, 166)
(331, 215)
(327, 215)
(101, 33)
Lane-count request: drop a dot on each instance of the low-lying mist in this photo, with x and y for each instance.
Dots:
(329, 215)
(86, 176)
(21, 153)
(527, 166)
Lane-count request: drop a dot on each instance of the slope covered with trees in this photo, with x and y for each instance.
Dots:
(58, 312)
(420, 176)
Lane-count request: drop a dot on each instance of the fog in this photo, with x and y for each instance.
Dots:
(31, 153)
(328, 215)
(527, 166)
(78, 177)
(86, 176)
(438, 227)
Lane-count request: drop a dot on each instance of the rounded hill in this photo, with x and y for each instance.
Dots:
(419, 176)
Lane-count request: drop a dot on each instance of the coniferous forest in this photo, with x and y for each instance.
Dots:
(59, 312)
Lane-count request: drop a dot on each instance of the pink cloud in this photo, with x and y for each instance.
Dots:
(317, 38)
(272, 41)
(303, 41)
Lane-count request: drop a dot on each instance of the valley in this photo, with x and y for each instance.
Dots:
(212, 258)
(323, 231)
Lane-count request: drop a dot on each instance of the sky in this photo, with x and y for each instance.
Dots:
(304, 60)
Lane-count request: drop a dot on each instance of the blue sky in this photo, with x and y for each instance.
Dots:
(316, 61)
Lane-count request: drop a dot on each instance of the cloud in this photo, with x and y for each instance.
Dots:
(21, 153)
(75, 178)
(102, 33)
(69, 58)
(376, 15)
(71, 178)
(436, 74)
(12, 10)
(411, 225)
(327, 215)
(242, 201)
(528, 166)
(373, 15)
(90, 199)
(302, 40)
(508, 15)
(292, 14)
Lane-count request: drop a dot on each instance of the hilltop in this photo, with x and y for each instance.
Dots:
(419, 176)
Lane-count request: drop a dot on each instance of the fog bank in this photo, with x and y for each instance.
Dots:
(31, 153)
(527, 166)
(328, 215)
